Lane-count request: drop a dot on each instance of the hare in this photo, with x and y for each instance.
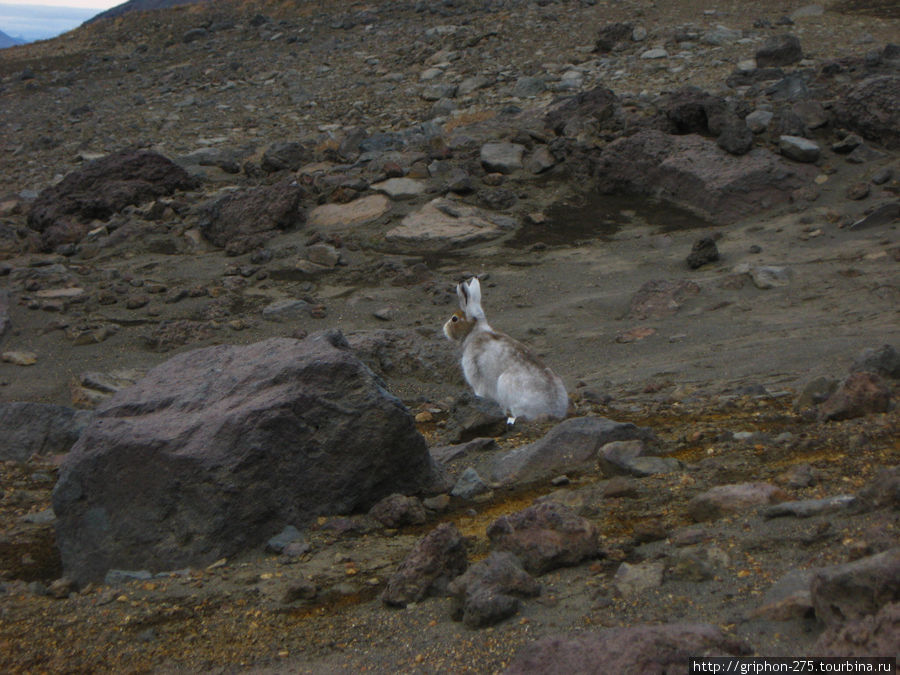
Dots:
(500, 368)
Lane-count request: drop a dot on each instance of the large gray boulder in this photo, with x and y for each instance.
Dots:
(218, 449)
(693, 172)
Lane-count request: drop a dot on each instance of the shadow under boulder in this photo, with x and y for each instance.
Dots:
(217, 449)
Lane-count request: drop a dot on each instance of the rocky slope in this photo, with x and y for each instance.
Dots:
(690, 211)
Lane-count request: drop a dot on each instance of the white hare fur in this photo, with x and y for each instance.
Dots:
(500, 368)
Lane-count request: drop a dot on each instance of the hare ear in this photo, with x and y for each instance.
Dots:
(463, 292)
(472, 307)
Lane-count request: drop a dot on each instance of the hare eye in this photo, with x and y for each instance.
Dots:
(455, 318)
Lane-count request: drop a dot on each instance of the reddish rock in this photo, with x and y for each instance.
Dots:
(877, 634)
(859, 394)
(242, 220)
(489, 590)
(856, 589)
(545, 536)
(663, 648)
(434, 562)
(726, 499)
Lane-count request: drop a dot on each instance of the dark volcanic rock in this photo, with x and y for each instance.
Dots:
(288, 156)
(596, 106)
(884, 361)
(611, 34)
(242, 220)
(102, 188)
(859, 394)
(545, 536)
(571, 444)
(489, 590)
(434, 562)
(397, 510)
(28, 429)
(702, 252)
(779, 50)
(663, 648)
(856, 589)
(872, 109)
(695, 173)
(217, 449)
(690, 110)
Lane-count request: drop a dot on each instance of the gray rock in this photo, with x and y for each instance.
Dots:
(442, 224)
(502, 157)
(325, 255)
(663, 648)
(884, 361)
(656, 53)
(289, 535)
(807, 508)
(881, 216)
(632, 458)
(529, 86)
(638, 578)
(799, 149)
(398, 510)
(286, 310)
(758, 121)
(693, 172)
(779, 50)
(540, 160)
(118, 577)
(400, 188)
(489, 591)
(870, 109)
(202, 458)
(545, 536)
(856, 589)
(815, 392)
(720, 35)
(469, 485)
(428, 569)
(730, 499)
(28, 429)
(766, 276)
(285, 156)
(571, 444)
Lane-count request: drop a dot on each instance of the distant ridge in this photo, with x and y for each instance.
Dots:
(141, 6)
(7, 41)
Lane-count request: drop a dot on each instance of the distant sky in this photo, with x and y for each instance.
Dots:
(42, 19)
